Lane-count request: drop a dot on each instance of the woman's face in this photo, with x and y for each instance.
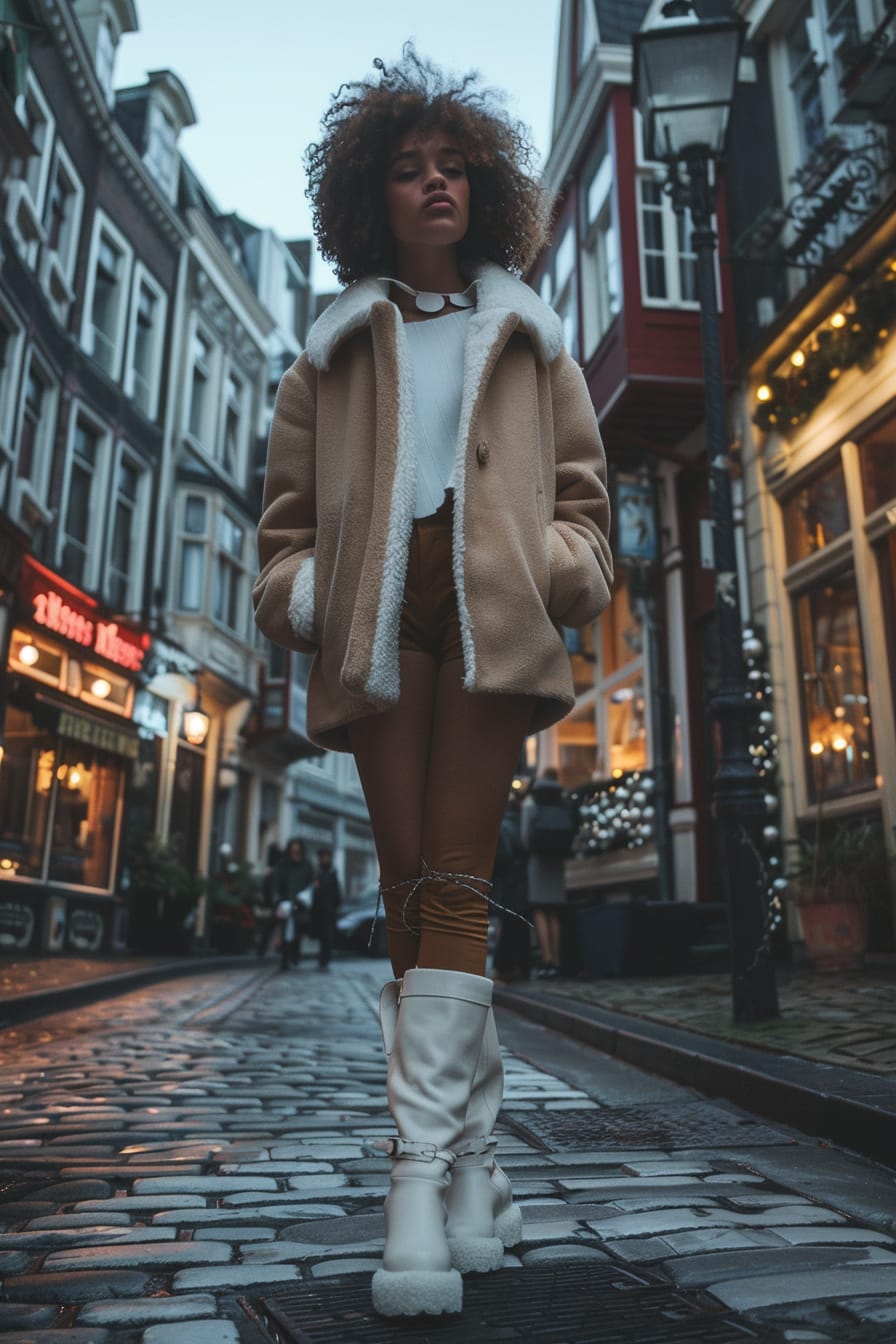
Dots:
(427, 191)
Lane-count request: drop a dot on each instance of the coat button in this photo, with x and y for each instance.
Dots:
(482, 452)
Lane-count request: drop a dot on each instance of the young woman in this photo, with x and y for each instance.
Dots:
(434, 510)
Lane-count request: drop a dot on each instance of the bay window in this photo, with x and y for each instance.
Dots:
(600, 262)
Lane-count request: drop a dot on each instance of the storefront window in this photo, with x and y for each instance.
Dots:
(58, 802)
(577, 746)
(26, 784)
(877, 455)
(625, 710)
(816, 515)
(839, 744)
(88, 784)
(621, 636)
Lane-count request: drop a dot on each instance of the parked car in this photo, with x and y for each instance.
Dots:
(353, 927)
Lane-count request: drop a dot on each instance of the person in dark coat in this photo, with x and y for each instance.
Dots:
(513, 953)
(546, 873)
(294, 874)
(327, 899)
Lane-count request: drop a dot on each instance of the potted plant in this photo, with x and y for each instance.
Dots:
(835, 882)
(165, 895)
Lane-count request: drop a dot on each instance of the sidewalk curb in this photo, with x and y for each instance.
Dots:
(828, 1102)
(19, 1008)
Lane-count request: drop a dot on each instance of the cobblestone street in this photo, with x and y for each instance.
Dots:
(185, 1162)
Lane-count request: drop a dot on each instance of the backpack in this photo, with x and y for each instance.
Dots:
(553, 830)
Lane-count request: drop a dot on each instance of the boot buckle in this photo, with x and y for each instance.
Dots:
(419, 1150)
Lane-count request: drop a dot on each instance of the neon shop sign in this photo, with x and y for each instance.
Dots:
(78, 622)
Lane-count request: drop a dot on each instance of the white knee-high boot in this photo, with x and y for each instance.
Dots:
(481, 1216)
(482, 1219)
(436, 1047)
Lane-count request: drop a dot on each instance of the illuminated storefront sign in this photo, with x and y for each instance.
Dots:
(73, 616)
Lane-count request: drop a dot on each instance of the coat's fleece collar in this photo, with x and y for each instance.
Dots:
(498, 293)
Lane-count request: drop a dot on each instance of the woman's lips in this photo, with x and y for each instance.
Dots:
(438, 200)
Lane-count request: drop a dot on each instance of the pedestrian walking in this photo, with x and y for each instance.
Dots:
(325, 906)
(548, 830)
(294, 897)
(512, 958)
(435, 509)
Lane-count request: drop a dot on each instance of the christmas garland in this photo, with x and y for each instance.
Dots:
(853, 335)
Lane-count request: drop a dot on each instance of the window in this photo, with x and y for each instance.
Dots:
(601, 273)
(123, 571)
(145, 343)
(804, 70)
(15, 51)
(229, 607)
(58, 805)
(816, 515)
(192, 554)
(161, 150)
(877, 457)
(35, 433)
(668, 262)
(559, 286)
(82, 478)
(105, 301)
(622, 712)
(835, 692)
(38, 122)
(233, 416)
(62, 211)
(199, 385)
(10, 346)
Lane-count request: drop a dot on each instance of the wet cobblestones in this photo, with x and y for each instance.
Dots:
(164, 1153)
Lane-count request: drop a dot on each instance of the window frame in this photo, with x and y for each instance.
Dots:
(81, 413)
(103, 225)
(9, 382)
(122, 452)
(199, 437)
(66, 258)
(43, 452)
(674, 256)
(595, 260)
(36, 192)
(141, 277)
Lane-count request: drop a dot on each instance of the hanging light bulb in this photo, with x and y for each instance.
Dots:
(28, 654)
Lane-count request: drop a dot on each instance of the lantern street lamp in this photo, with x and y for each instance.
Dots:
(685, 71)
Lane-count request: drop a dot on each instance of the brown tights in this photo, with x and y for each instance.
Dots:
(436, 771)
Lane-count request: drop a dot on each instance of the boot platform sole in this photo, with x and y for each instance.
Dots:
(417, 1292)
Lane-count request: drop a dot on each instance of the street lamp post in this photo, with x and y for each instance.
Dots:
(684, 77)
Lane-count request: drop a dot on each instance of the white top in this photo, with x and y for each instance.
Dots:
(437, 364)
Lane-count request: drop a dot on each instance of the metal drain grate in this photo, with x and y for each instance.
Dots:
(567, 1304)
(696, 1124)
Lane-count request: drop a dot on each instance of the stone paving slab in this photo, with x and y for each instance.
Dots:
(208, 1202)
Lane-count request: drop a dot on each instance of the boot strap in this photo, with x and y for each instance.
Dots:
(421, 1152)
(474, 1147)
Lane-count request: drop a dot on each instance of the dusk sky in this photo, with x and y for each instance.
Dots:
(260, 75)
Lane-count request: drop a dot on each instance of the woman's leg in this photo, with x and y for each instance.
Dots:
(391, 751)
(541, 919)
(476, 744)
(554, 937)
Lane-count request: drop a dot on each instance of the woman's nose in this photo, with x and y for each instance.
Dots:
(435, 180)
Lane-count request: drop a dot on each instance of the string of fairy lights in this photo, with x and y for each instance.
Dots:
(852, 334)
(619, 813)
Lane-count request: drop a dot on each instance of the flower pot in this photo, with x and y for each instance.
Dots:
(836, 933)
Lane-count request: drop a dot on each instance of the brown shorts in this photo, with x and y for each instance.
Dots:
(429, 618)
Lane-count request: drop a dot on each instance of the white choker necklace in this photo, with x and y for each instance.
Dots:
(429, 302)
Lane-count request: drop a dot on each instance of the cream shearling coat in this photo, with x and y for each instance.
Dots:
(531, 513)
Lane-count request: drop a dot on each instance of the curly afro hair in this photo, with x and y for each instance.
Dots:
(362, 127)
